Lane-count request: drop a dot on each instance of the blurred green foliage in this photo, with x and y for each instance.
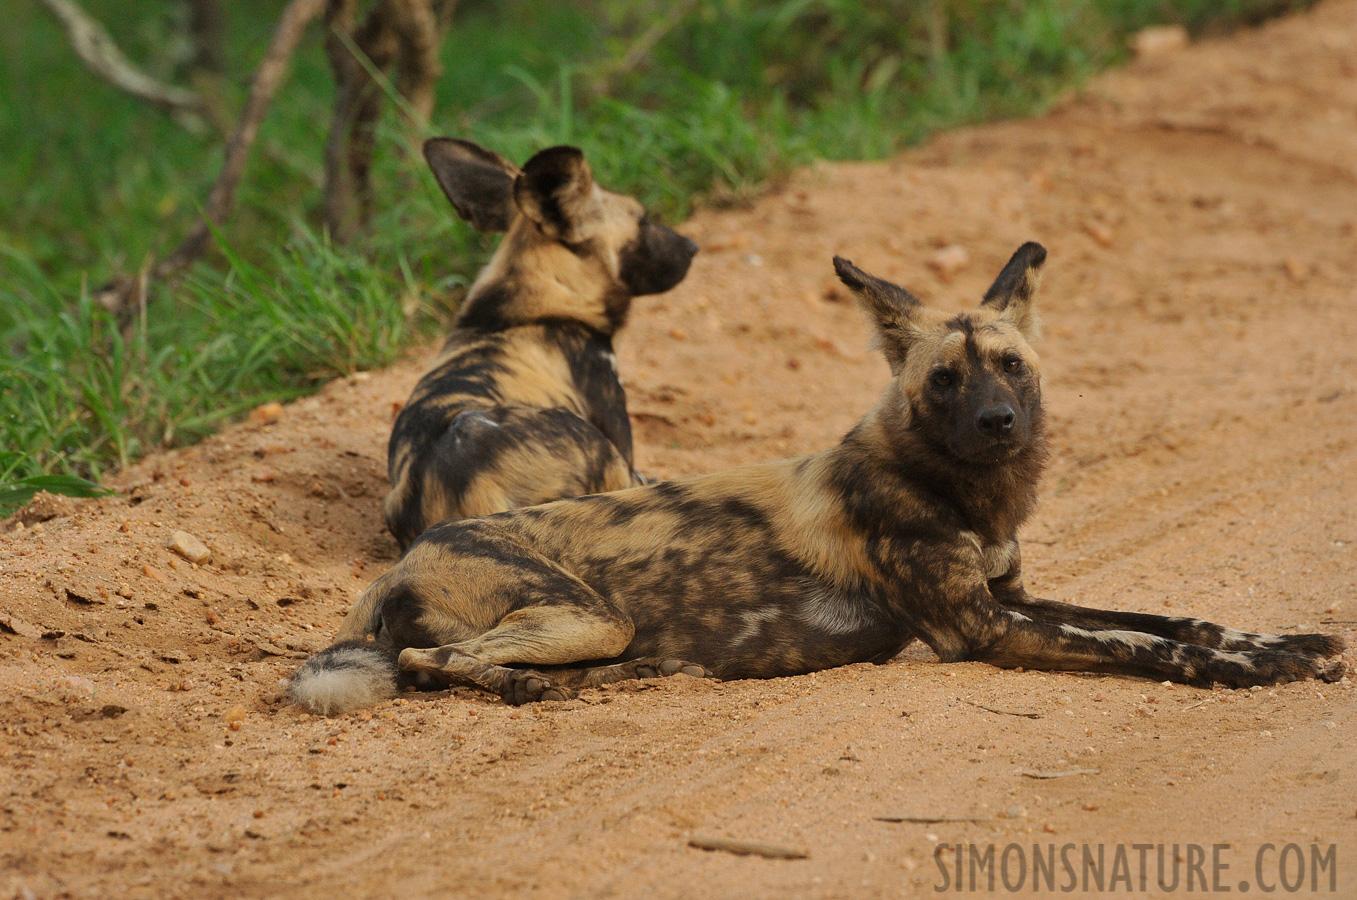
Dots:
(94, 183)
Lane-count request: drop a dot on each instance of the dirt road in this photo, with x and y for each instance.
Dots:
(1201, 372)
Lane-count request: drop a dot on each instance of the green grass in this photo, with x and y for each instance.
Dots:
(93, 184)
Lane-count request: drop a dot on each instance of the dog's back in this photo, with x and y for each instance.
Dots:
(524, 405)
(512, 418)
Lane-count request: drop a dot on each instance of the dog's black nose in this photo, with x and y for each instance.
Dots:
(996, 421)
(688, 246)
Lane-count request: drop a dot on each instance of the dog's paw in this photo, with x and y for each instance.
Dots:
(663, 668)
(676, 666)
(1317, 645)
(527, 686)
(1333, 672)
(1266, 667)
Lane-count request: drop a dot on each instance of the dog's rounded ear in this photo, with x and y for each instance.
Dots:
(889, 305)
(479, 182)
(556, 190)
(1014, 292)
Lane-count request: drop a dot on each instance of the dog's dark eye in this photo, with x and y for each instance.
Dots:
(942, 378)
(1012, 364)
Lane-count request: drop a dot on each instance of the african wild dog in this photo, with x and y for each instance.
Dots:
(907, 529)
(524, 404)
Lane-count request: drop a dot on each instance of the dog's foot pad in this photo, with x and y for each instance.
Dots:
(526, 686)
(675, 666)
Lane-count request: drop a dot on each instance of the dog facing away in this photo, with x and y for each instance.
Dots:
(523, 405)
(906, 530)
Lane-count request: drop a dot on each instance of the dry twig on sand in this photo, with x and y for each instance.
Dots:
(746, 848)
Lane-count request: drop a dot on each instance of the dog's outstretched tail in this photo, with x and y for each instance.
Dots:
(345, 677)
(355, 671)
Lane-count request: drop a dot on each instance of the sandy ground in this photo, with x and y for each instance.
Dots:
(1201, 370)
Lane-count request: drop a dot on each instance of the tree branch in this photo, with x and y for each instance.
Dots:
(97, 51)
(640, 48)
(117, 296)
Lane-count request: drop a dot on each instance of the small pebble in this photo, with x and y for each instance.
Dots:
(1101, 234)
(950, 260)
(1158, 40)
(189, 547)
(269, 412)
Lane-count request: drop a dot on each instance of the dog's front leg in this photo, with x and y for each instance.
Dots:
(1009, 591)
(967, 622)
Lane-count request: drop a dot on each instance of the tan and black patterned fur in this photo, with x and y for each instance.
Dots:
(523, 405)
(906, 530)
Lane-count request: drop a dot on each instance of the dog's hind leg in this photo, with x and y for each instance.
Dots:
(1009, 591)
(549, 634)
(646, 667)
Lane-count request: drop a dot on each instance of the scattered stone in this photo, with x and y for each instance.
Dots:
(1158, 40)
(45, 506)
(76, 683)
(264, 450)
(1101, 234)
(263, 476)
(948, 261)
(1295, 269)
(233, 716)
(274, 650)
(18, 626)
(189, 547)
(269, 412)
(833, 292)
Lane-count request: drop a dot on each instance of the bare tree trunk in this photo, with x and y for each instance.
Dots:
(207, 29)
(358, 106)
(403, 33)
(417, 69)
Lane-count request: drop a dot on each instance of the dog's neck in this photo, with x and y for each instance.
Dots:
(991, 499)
(529, 281)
